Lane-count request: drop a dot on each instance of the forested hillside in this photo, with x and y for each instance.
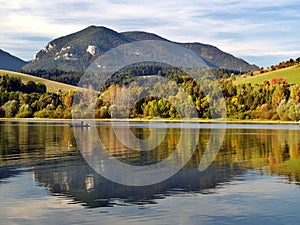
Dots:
(275, 100)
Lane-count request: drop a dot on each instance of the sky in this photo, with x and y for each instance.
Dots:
(261, 32)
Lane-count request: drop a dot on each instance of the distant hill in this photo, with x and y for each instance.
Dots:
(75, 52)
(10, 62)
(291, 74)
(52, 86)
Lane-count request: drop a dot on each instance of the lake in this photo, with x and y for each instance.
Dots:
(45, 178)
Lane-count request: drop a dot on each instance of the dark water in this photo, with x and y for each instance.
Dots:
(254, 178)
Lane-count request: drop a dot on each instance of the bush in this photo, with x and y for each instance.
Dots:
(45, 113)
(24, 115)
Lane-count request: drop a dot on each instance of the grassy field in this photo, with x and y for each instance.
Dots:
(52, 86)
(292, 74)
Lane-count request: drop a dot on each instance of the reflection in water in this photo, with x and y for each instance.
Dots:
(150, 166)
(24, 142)
(77, 180)
(6, 172)
(50, 150)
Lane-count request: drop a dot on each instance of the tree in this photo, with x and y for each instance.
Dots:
(41, 88)
(294, 110)
(30, 87)
(11, 108)
(278, 80)
(281, 92)
(67, 99)
(289, 110)
(157, 108)
(25, 111)
(264, 112)
(295, 92)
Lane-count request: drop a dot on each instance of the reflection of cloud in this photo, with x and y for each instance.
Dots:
(255, 197)
(240, 23)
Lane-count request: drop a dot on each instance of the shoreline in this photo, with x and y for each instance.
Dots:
(222, 121)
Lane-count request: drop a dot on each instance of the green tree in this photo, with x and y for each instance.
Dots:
(294, 110)
(25, 111)
(289, 110)
(11, 108)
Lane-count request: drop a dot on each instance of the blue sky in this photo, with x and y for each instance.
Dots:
(261, 32)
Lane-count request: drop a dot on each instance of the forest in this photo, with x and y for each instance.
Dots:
(270, 100)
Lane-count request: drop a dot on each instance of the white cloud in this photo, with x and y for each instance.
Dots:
(240, 27)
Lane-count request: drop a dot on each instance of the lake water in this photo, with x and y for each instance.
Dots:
(254, 178)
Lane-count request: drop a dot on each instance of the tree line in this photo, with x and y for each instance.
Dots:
(124, 76)
(62, 76)
(32, 100)
(270, 100)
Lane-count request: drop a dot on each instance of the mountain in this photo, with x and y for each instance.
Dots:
(75, 52)
(213, 56)
(10, 62)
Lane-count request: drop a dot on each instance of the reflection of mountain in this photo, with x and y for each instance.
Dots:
(44, 146)
(7, 172)
(77, 180)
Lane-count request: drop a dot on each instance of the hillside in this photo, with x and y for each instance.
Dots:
(10, 62)
(75, 52)
(291, 74)
(52, 86)
(216, 58)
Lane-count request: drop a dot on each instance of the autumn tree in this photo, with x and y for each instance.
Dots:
(295, 92)
(280, 92)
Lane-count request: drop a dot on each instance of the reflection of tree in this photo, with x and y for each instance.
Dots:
(46, 145)
(290, 169)
(286, 155)
(25, 143)
(242, 149)
(252, 147)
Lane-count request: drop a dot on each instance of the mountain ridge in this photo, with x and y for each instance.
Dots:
(10, 62)
(76, 51)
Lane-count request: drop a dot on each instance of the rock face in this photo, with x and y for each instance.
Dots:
(75, 52)
(92, 49)
(10, 62)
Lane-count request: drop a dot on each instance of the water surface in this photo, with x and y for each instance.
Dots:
(254, 178)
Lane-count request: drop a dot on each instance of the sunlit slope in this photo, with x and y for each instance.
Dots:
(52, 86)
(291, 74)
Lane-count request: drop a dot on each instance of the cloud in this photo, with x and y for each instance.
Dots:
(240, 27)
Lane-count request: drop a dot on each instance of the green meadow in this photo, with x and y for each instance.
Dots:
(291, 74)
